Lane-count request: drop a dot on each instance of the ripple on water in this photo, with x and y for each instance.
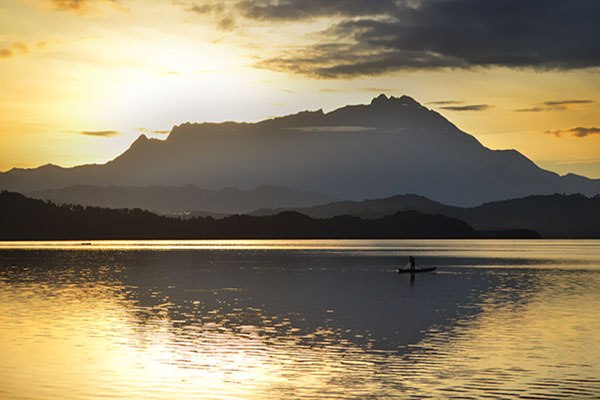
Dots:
(200, 326)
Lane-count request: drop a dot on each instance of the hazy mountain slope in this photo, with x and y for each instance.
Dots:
(370, 209)
(389, 146)
(552, 216)
(171, 199)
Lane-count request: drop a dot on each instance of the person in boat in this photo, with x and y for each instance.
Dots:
(411, 261)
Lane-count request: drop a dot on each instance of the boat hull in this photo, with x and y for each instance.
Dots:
(418, 270)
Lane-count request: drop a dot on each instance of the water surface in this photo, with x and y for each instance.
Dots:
(299, 319)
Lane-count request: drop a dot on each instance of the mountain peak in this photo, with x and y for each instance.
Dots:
(404, 100)
(139, 145)
(142, 138)
(407, 100)
(142, 141)
(381, 99)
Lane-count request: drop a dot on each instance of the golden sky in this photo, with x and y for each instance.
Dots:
(81, 79)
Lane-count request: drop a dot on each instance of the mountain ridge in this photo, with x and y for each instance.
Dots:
(553, 216)
(30, 219)
(181, 199)
(392, 145)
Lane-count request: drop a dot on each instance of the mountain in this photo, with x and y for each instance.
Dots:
(392, 145)
(553, 216)
(24, 218)
(180, 199)
(368, 209)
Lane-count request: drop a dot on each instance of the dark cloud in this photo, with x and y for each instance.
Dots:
(454, 105)
(200, 8)
(532, 109)
(308, 9)
(378, 37)
(217, 10)
(583, 132)
(334, 60)
(100, 133)
(576, 132)
(469, 107)
(554, 105)
(445, 102)
(565, 103)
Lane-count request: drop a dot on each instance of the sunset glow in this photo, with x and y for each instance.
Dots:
(82, 79)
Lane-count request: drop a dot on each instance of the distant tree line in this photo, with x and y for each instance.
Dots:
(23, 218)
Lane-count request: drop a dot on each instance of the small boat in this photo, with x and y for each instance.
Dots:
(417, 270)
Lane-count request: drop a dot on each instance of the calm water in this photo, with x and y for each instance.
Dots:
(299, 319)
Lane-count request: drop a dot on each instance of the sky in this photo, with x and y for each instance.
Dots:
(81, 79)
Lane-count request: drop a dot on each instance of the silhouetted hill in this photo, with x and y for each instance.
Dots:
(553, 216)
(169, 199)
(392, 145)
(369, 209)
(30, 219)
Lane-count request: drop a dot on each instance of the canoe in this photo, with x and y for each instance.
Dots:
(407, 271)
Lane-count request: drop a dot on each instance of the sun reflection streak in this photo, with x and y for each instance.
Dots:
(527, 253)
(103, 342)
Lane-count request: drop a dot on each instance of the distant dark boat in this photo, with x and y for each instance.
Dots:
(407, 271)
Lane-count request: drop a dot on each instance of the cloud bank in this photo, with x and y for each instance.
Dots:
(469, 107)
(579, 131)
(559, 105)
(368, 37)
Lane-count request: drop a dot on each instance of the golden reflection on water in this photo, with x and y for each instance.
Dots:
(552, 250)
(91, 325)
(262, 244)
(82, 343)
